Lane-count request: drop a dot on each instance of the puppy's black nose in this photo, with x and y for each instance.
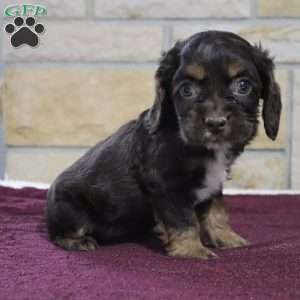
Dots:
(216, 122)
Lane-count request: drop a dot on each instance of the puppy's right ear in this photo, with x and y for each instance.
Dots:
(163, 109)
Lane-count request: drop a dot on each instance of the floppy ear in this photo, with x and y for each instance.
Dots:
(162, 110)
(270, 93)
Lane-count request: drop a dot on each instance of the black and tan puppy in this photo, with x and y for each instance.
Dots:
(166, 169)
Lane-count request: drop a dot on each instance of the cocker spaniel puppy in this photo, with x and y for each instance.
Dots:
(165, 170)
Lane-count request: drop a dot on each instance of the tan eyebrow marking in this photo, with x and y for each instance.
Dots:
(234, 68)
(196, 71)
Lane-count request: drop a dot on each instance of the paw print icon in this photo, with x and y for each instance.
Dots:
(24, 32)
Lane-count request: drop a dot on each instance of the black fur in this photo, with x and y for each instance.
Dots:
(154, 164)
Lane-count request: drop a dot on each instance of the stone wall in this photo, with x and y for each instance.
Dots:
(93, 70)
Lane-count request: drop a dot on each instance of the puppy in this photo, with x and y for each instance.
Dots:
(165, 170)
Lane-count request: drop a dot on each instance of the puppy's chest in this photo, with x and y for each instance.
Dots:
(214, 176)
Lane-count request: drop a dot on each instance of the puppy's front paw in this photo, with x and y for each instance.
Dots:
(192, 248)
(84, 243)
(195, 252)
(222, 238)
(186, 243)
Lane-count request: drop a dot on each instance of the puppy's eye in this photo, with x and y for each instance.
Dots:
(241, 87)
(189, 91)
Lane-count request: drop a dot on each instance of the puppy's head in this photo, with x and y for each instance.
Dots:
(209, 87)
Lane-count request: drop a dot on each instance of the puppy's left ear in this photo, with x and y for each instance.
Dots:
(270, 93)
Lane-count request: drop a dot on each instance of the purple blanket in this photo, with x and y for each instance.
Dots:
(32, 268)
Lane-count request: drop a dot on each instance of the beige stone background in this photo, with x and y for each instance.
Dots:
(93, 70)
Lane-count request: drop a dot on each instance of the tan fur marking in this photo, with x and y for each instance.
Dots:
(183, 243)
(82, 244)
(78, 240)
(217, 215)
(215, 226)
(234, 68)
(80, 232)
(196, 71)
(187, 244)
(161, 232)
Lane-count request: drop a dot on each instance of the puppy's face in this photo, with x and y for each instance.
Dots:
(216, 91)
(216, 83)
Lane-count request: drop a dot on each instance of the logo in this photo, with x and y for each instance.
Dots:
(24, 30)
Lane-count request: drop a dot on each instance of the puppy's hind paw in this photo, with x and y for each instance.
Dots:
(84, 243)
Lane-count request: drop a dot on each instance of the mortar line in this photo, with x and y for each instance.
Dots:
(253, 10)
(167, 36)
(109, 63)
(2, 139)
(248, 151)
(290, 127)
(90, 8)
(90, 64)
(46, 147)
(189, 21)
(200, 20)
(270, 151)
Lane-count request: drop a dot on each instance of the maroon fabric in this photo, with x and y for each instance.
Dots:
(32, 268)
